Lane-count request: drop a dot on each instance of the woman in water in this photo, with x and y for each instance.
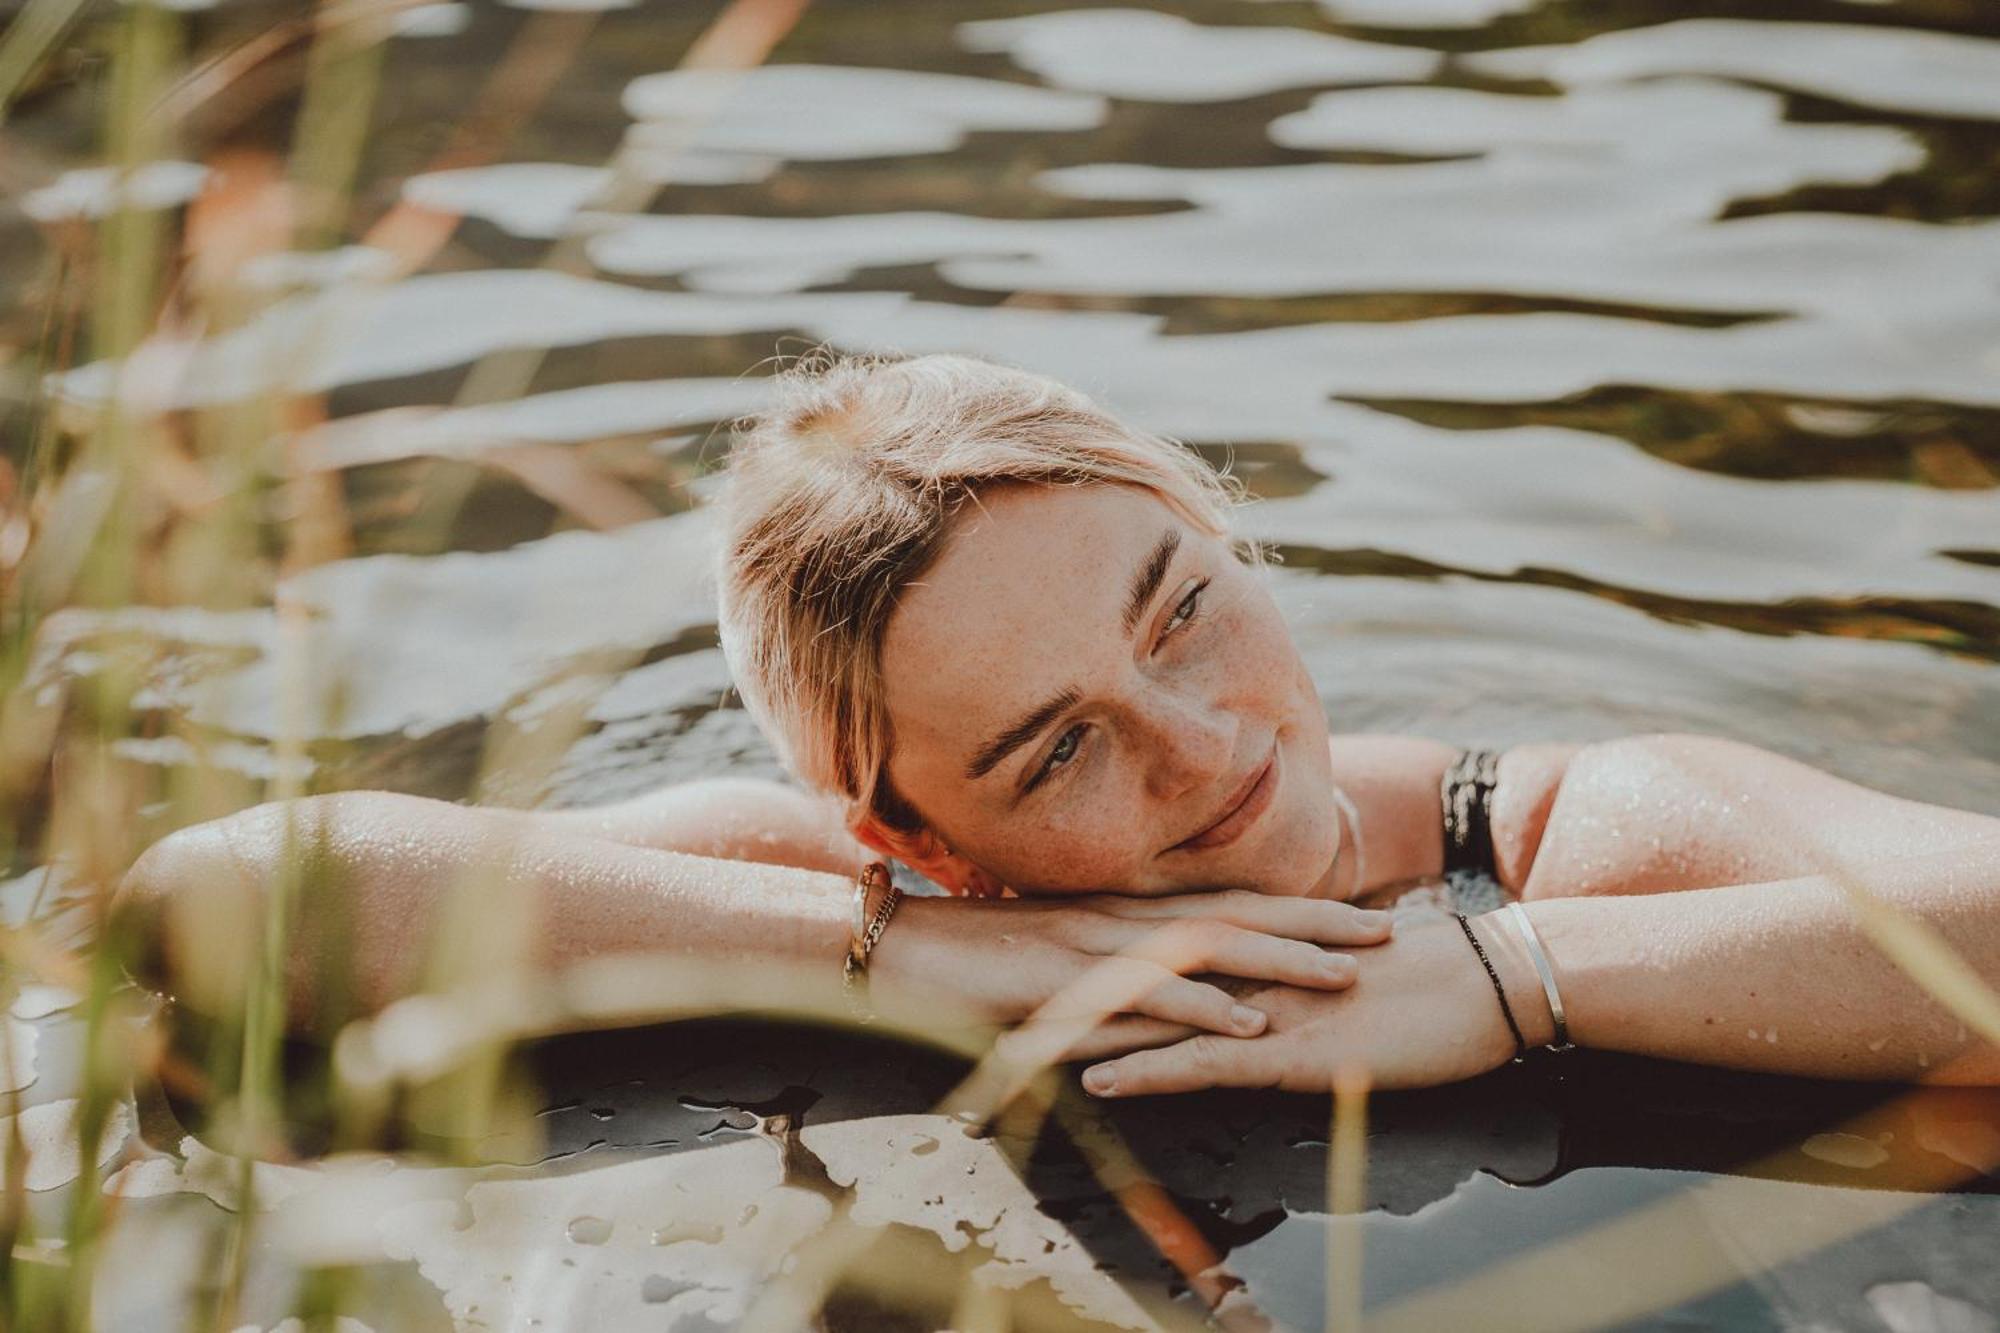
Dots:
(1008, 641)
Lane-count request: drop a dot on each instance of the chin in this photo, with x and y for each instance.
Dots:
(1302, 853)
(1299, 844)
(1302, 850)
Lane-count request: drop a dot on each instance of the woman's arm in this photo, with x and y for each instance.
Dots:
(728, 819)
(1779, 977)
(390, 886)
(398, 893)
(1642, 814)
(1654, 814)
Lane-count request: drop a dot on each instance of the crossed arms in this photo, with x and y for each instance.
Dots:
(1695, 895)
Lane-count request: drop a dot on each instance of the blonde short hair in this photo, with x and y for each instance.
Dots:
(845, 490)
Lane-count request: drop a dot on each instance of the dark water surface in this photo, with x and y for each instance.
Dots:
(1602, 367)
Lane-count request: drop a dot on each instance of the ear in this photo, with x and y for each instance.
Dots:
(924, 852)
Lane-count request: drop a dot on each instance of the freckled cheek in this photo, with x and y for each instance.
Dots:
(1263, 663)
(1087, 849)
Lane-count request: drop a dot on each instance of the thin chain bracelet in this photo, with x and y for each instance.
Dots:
(866, 933)
(1506, 1010)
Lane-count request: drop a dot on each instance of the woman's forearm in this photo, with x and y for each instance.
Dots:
(1780, 977)
(397, 892)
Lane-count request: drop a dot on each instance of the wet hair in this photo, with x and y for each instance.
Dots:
(845, 490)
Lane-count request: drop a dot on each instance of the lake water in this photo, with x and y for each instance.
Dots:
(1600, 368)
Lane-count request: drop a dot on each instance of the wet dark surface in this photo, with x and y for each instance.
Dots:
(1452, 1173)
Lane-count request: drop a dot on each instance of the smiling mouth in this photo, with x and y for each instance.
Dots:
(1246, 805)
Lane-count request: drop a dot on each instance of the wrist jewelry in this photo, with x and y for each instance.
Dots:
(1506, 1010)
(1547, 973)
(1346, 804)
(1466, 794)
(875, 901)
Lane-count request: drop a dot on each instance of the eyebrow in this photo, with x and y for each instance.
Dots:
(1021, 733)
(1145, 583)
(1148, 580)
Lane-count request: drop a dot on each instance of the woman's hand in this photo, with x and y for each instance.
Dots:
(1424, 1013)
(1107, 954)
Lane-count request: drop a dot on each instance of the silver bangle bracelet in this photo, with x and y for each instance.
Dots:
(1519, 916)
(1346, 804)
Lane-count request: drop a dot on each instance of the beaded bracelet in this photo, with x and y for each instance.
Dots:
(1506, 1010)
(1466, 795)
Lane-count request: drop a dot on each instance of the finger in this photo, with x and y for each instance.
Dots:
(1314, 920)
(1200, 1005)
(1126, 1034)
(1215, 946)
(1204, 1061)
(1122, 984)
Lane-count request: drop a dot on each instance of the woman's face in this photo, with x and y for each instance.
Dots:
(1088, 694)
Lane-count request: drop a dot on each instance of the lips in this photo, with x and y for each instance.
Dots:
(1243, 808)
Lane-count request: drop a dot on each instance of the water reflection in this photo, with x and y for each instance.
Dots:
(1878, 67)
(1593, 381)
(1148, 56)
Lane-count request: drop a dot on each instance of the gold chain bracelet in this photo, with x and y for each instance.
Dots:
(865, 932)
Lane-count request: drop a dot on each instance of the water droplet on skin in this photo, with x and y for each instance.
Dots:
(749, 1212)
(589, 1230)
(707, 1232)
(1878, 1043)
(1849, 1150)
(1771, 1035)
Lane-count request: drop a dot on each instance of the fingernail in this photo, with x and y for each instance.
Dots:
(1246, 1020)
(1100, 1080)
(1338, 966)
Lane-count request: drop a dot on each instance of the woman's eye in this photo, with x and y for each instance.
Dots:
(1061, 753)
(1189, 608)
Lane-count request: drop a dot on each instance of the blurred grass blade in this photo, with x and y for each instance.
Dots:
(1347, 1200)
(1926, 957)
(38, 26)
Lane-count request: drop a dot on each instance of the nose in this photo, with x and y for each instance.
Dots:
(1190, 742)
